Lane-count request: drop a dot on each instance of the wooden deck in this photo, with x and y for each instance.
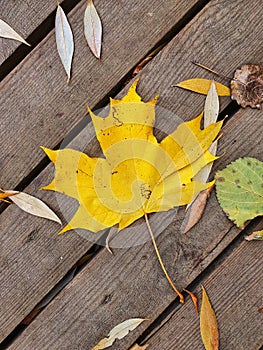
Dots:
(39, 108)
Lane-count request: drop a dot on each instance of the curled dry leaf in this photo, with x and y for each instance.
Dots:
(119, 332)
(255, 236)
(202, 86)
(93, 29)
(208, 324)
(194, 300)
(239, 190)
(8, 32)
(64, 40)
(195, 210)
(32, 205)
(247, 86)
(138, 347)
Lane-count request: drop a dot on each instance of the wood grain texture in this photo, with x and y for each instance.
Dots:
(24, 17)
(131, 284)
(235, 291)
(39, 108)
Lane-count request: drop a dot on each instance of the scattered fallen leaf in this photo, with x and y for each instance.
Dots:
(208, 324)
(255, 236)
(64, 40)
(196, 208)
(138, 347)
(131, 181)
(118, 332)
(194, 299)
(239, 190)
(93, 29)
(202, 86)
(32, 205)
(247, 86)
(260, 310)
(8, 32)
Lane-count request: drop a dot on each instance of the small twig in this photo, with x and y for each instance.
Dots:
(211, 70)
(161, 262)
(217, 73)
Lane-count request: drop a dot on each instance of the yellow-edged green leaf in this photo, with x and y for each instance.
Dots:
(239, 189)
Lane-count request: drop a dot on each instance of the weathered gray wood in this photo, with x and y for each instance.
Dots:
(235, 291)
(39, 108)
(130, 284)
(106, 266)
(24, 17)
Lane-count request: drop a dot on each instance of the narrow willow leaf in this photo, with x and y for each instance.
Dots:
(208, 324)
(64, 40)
(33, 205)
(202, 86)
(119, 332)
(239, 190)
(93, 29)
(8, 32)
(255, 236)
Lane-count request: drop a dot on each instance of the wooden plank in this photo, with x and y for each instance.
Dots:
(221, 230)
(32, 261)
(174, 101)
(39, 108)
(24, 17)
(235, 291)
(130, 283)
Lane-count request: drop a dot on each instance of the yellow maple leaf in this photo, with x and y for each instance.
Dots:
(138, 175)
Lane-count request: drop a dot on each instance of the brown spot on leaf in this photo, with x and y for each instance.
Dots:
(247, 86)
(221, 179)
(237, 181)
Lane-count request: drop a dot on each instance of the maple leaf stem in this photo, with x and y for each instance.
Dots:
(160, 260)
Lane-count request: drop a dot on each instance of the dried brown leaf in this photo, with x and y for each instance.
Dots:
(247, 86)
(194, 300)
(195, 211)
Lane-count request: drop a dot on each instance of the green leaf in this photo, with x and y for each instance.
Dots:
(239, 189)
